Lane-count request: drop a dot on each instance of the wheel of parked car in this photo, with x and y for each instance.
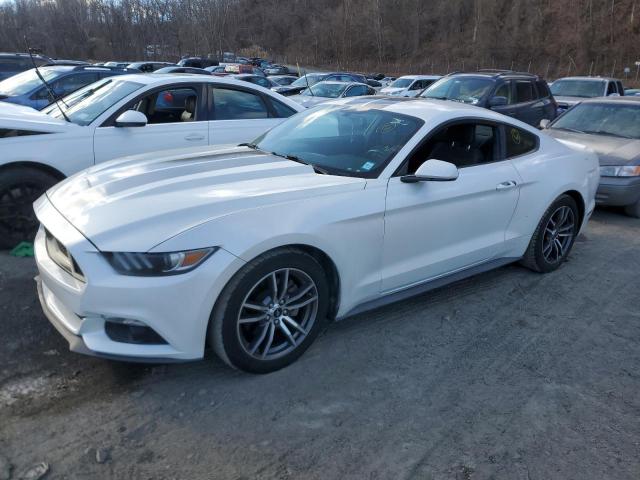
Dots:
(19, 188)
(554, 236)
(633, 210)
(271, 311)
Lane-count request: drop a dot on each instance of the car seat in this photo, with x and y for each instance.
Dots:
(189, 113)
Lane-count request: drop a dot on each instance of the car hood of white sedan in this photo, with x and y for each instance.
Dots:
(309, 100)
(135, 203)
(20, 117)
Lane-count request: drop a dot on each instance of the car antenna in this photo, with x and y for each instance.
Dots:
(46, 85)
(306, 79)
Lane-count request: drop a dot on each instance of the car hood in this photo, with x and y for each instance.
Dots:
(20, 117)
(135, 203)
(569, 100)
(610, 150)
(392, 90)
(308, 100)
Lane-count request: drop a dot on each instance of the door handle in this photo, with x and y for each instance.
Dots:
(506, 185)
(194, 137)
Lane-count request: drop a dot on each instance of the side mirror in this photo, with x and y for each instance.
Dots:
(131, 118)
(498, 101)
(433, 171)
(544, 123)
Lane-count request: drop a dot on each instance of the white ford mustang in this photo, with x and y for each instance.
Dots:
(339, 209)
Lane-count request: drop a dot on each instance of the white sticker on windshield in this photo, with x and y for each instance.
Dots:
(368, 166)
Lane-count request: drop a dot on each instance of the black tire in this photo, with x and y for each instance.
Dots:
(225, 334)
(19, 188)
(534, 258)
(633, 210)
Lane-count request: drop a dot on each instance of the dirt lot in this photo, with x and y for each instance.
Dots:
(510, 375)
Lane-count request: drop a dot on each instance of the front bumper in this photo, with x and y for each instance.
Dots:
(177, 308)
(618, 191)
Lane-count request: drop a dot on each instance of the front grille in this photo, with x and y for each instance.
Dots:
(61, 257)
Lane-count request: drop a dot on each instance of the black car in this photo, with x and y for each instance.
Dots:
(520, 95)
(148, 67)
(192, 70)
(197, 62)
(12, 63)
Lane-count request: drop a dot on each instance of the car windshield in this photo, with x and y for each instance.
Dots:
(401, 83)
(26, 81)
(312, 78)
(618, 120)
(341, 140)
(87, 104)
(327, 90)
(578, 88)
(461, 89)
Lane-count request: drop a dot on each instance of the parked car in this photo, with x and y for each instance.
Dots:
(265, 82)
(283, 80)
(345, 77)
(197, 62)
(76, 63)
(118, 116)
(217, 70)
(14, 63)
(336, 211)
(386, 81)
(116, 64)
(409, 85)
(611, 128)
(632, 91)
(303, 82)
(148, 67)
(569, 91)
(278, 70)
(180, 70)
(326, 90)
(27, 88)
(520, 95)
(237, 68)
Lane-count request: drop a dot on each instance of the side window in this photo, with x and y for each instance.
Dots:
(524, 91)
(611, 88)
(282, 110)
(543, 89)
(620, 88)
(519, 142)
(504, 90)
(231, 104)
(172, 105)
(71, 83)
(356, 91)
(463, 144)
(417, 85)
(263, 82)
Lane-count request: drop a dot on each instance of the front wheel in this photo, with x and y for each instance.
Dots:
(554, 236)
(270, 312)
(19, 188)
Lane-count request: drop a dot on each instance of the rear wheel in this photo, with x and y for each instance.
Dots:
(19, 188)
(270, 312)
(554, 236)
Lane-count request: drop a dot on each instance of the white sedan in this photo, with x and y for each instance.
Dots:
(340, 209)
(120, 116)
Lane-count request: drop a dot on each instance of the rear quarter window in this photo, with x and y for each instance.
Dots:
(519, 142)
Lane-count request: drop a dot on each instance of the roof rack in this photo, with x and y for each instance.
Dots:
(498, 72)
(101, 68)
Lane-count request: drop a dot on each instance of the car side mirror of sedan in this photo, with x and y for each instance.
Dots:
(497, 102)
(131, 118)
(433, 171)
(544, 123)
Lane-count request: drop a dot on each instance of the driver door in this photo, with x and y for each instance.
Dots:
(437, 228)
(170, 125)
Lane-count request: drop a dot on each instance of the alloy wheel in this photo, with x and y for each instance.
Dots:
(558, 235)
(277, 314)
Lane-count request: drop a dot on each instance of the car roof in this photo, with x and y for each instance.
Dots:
(431, 111)
(594, 79)
(420, 77)
(622, 99)
(336, 82)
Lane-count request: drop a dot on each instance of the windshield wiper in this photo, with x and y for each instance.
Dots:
(611, 134)
(569, 129)
(293, 158)
(436, 98)
(250, 145)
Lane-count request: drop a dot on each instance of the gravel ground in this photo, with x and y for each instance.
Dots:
(509, 375)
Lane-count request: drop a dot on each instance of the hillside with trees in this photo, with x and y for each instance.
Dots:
(550, 37)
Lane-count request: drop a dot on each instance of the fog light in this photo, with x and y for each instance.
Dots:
(125, 330)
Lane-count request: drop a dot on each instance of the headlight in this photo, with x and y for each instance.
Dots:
(627, 171)
(156, 264)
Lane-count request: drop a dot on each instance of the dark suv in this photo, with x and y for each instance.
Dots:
(12, 63)
(520, 95)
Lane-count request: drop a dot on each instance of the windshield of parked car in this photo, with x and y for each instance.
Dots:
(341, 140)
(26, 81)
(85, 105)
(618, 120)
(578, 88)
(401, 83)
(312, 78)
(327, 90)
(461, 89)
